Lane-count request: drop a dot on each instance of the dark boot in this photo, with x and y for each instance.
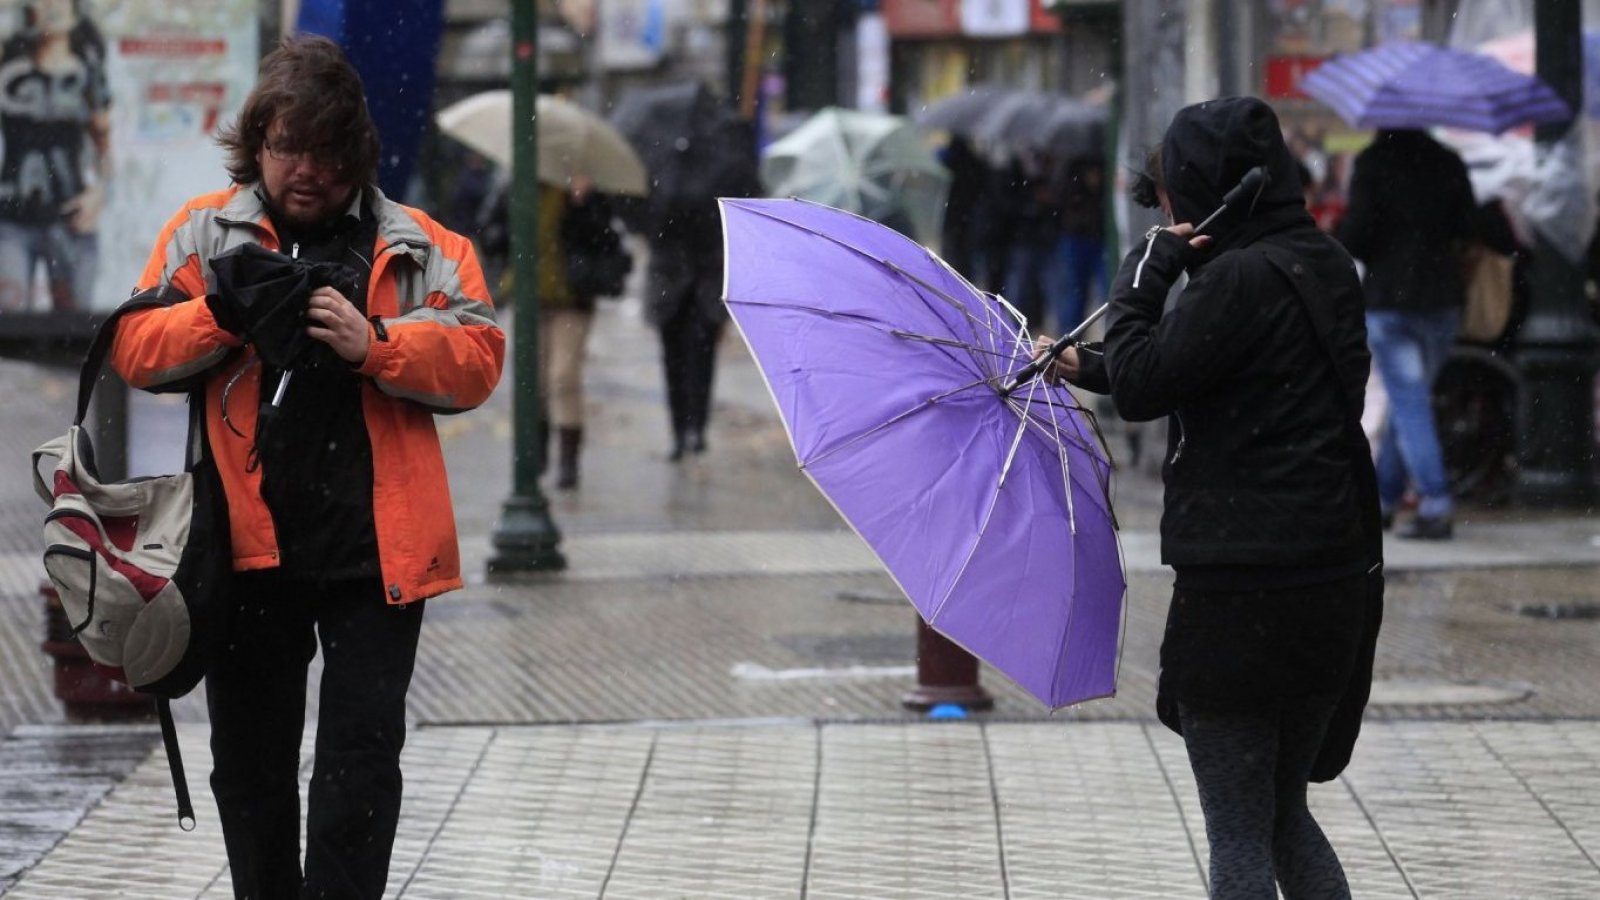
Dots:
(570, 439)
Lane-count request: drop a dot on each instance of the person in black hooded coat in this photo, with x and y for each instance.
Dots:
(1270, 517)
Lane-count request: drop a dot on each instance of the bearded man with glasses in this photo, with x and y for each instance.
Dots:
(340, 516)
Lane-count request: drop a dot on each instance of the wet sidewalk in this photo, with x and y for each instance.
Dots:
(706, 704)
(800, 809)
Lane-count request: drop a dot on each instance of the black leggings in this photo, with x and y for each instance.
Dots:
(1252, 769)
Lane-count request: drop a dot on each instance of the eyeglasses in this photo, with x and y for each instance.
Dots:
(323, 159)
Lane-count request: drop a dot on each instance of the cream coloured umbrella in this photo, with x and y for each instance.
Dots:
(572, 141)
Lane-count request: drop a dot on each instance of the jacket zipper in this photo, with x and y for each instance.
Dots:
(1182, 436)
(1149, 244)
(294, 252)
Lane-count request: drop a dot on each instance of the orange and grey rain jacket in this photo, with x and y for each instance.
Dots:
(435, 349)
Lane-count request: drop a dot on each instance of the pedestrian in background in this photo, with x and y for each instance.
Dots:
(683, 289)
(963, 225)
(1410, 215)
(1083, 240)
(1270, 517)
(340, 514)
(581, 257)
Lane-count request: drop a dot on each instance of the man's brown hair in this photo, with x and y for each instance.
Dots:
(309, 87)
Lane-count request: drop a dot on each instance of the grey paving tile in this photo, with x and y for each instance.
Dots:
(1085, 812)
(540, 817)
(725, 813)
(1559, 763)
(1458, 819)
(905, 813)
(130, 844)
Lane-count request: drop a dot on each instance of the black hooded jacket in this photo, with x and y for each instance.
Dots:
(1259, 484)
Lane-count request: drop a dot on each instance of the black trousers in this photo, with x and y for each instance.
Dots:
(689, 353)
(257, 698)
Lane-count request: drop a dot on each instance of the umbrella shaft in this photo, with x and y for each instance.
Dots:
(283, 385)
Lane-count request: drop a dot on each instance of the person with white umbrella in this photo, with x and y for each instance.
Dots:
(582, 160)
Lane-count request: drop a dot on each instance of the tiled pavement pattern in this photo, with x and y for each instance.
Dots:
(784, 810)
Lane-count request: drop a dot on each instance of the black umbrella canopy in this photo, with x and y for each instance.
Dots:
(694, 146)
(1020, 119)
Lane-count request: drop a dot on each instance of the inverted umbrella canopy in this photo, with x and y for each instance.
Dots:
(991, 512)
(870, 164)
(1408, 84)
(572, 141)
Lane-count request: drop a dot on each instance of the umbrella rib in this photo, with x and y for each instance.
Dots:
(925, 404)
(886, 263)
(948, 342)
(896, 332)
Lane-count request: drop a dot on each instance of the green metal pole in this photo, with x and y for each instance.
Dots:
(526, 538)
(1556, 346)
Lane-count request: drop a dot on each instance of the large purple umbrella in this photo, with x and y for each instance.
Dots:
(1407, 84)
(990, 511)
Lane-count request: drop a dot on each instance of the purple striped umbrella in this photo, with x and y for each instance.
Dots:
(991, 512)
(1415, 85)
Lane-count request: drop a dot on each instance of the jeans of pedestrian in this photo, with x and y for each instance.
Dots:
(1035, 274)
(1083, 276)
(70, 265)
(256, 695)
(1408, 350)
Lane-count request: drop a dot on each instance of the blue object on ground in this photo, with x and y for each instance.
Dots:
(948, 711)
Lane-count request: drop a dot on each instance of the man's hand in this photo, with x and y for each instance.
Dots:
(1066, 362)
(335, 321)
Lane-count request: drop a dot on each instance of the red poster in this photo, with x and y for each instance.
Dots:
(1284, 74)
(922, 18)
(1043, 20)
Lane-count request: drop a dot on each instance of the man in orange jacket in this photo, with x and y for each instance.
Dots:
(339, 510)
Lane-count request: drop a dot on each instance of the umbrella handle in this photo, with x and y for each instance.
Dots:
(283, 386)
(1251, 185)
(1054, 350)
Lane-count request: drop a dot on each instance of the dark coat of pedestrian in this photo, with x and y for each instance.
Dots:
(340, 514)
(683, 292)
(1269, 519)
(1410, 216)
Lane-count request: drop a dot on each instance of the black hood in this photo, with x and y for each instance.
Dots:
(1206, 152)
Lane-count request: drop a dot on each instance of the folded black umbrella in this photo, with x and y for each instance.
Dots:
(262, 296)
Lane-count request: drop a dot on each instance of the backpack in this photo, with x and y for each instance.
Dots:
(141, 565)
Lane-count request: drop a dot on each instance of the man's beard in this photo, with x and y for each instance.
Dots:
(327, 215)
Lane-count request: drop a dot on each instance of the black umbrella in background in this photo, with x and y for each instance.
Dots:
(263, 295)
(694, 147)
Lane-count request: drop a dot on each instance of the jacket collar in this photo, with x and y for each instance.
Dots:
(396, 229)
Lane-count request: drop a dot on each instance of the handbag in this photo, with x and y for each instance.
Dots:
(140, 566)
(1486, 275)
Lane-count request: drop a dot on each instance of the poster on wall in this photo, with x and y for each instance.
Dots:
(633, 34)
(109, 111)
